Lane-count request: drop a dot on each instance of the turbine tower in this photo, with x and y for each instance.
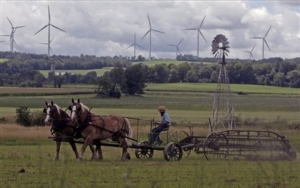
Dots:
(12, 39)
(250, 52)
(263, 42)
(149, 31)
(223, 109)
(198, 32)
(134, 46)
(48, 25)
(177, 48)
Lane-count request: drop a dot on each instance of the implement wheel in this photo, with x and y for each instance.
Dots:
(143, 151)
(178, 137)
(216, 146)
(173, 152)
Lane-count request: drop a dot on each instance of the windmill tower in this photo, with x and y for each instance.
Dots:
(177, 48)
(149, 31)
(250, 52)
(11, 36)
(223, 109)
(49, 41)
(134, 46)
(263, 42)
(198, 32)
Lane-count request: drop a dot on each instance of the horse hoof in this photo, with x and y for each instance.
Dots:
(128, 156)
(79, 159)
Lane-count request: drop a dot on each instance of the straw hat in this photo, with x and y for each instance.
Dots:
(161, 108)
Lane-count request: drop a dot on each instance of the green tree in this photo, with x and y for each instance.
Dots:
(135, 79)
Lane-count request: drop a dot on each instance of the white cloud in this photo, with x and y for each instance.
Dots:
(106, 28)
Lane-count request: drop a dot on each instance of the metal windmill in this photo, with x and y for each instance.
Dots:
(250, 52)
(11, 36)
(49, 41)
(223, 109)
(177, 48)
(149, 31)
(198, 32)
(134, 46)
(263, 42)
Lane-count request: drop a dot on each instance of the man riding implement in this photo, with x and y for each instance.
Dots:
(164, 124)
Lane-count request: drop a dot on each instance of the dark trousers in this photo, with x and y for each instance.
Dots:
(155, 133)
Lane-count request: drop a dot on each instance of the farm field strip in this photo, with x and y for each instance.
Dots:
(99, 72)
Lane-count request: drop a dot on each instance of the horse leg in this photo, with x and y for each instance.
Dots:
(125, 154)
(88, 141)
(56, 157)
(98, 148)
(94, 152)
(72, 143)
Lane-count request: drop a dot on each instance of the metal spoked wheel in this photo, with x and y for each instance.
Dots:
(173, 152)
(179, 137)
(215, 146)
(143, 151)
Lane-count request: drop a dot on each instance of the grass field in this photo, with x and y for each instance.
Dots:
(99, 72)
(3, 60)
(167, 62)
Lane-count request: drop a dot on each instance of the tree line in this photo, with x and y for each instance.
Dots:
(23, 70)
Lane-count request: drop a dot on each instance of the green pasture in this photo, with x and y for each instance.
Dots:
(167, 62)
(39, 170)
(2, 60)
(99, 72)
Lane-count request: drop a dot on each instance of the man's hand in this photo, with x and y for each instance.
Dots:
(156, 123)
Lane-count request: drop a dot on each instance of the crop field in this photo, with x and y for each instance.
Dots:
(99, 72)
(167, 62)
(26, 154)
(2, 60)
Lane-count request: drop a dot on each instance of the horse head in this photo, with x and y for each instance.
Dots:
(52, 112)
(76, 109)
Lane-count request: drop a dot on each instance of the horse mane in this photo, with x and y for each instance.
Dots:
(58, 108)
(83, 108)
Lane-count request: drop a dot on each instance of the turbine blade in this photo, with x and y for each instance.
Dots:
(49, 13)
(42, 29)
(57, 28)
(6, 35)
(51, 39)
(202, 35)
(10, 22)
(267, 44)
(180, 42)
(171, 45)
(202, 22)
(149, 20)
(129, 46)
(253, 47)
(158, 31)
(139, 46)
(255, 37)
(178, 50)
(145, 34)
(19, 27)
(251, 55)
(268, 31)
(191, 29)
(43, 43)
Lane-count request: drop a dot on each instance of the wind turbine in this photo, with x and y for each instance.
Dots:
(198, 32)
(149, 31)
(12, 39)
(263, 41)
(177, 48)
(251, 55)
(134, 45)
(48, 25)
(47, 44)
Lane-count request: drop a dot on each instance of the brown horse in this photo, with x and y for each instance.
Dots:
(62, 128)
(94, 127)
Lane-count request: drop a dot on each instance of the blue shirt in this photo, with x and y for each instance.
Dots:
(166, 118)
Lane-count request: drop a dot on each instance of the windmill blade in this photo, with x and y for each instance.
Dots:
(158, 31)
(57, 28)
(191, 29)
(15, 42)
(178, 50)
(267, 44)
(140, 46)
(6, 35)
(51, 49)
(44, 43)
(253, 47)
(247, 51)
(180, 41)
(10, 22)
(149, 20)
(202, 35)
(51, 39)
(252, 55)
(49, 13)
(268, 31)
(171, 45)
(41, 29)
(145, 34)
(19, 27)
(202, 22)
(255, 37)
(129, 46)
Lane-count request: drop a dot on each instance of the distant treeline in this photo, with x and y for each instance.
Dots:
(22, 70)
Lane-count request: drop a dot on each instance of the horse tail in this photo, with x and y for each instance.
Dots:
(129, 134)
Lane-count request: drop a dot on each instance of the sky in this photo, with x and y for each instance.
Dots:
(107, 28)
